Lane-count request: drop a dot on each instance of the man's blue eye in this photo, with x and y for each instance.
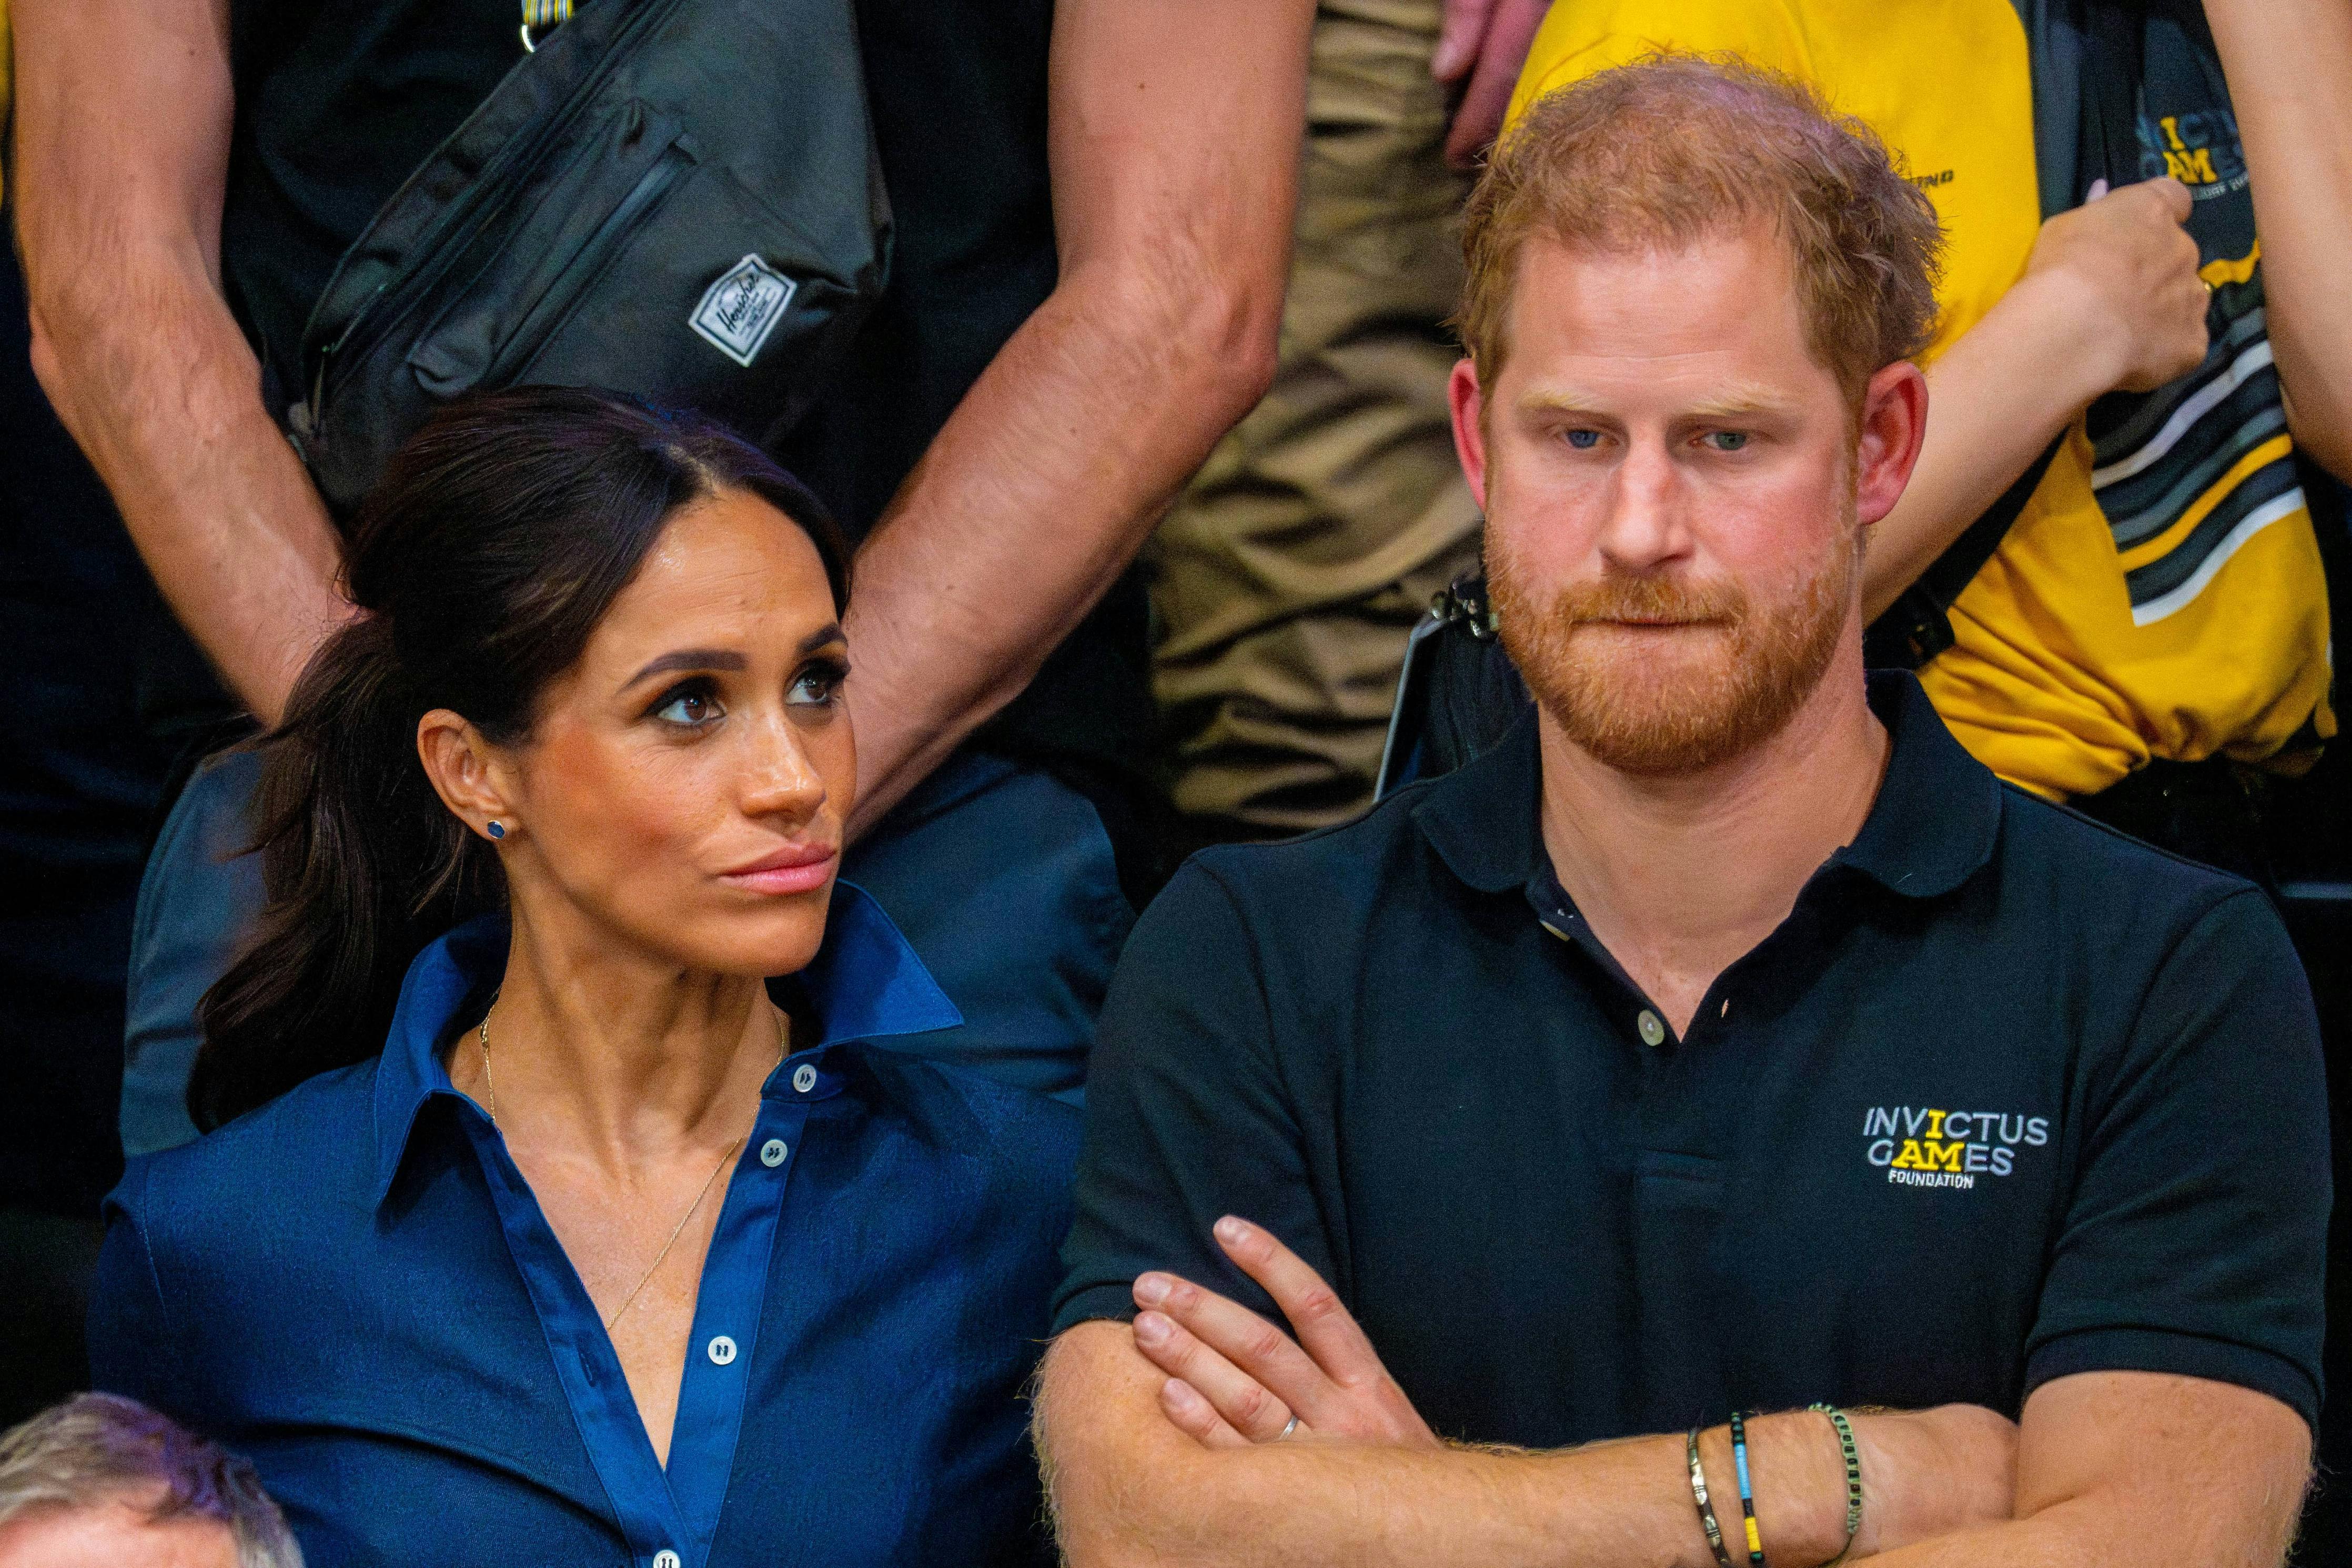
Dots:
(1727, 440)
(1584, 439)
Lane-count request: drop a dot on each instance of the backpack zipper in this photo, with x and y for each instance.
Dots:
(587, 264)
(392, 301)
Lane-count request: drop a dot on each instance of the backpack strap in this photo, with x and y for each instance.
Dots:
(2054, 48)
(2075, 132)
(1919, 626)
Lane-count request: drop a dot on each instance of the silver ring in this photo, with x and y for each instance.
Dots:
(1286, 1431)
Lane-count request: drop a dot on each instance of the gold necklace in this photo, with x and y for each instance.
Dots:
(490, 1104)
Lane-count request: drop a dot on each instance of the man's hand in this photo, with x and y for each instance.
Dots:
(1486, 42)
(2133, 268)
(1234, 1379)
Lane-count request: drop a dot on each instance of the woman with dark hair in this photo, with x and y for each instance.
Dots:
(564, 1209)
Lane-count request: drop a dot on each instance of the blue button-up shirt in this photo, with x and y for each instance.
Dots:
(355, 1287)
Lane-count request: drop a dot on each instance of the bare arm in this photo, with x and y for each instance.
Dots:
(2132, 1467)
(2110, 298)
(1173, 1442)
(1127, 1488)
(122, 134)
(2113, 1470)
(1175, 129)
(2289, 64)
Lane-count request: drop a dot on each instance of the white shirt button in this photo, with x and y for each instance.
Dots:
(773, 1152)
(722, 1351)
(1653, 1031)
(665, 1558)
(803, 1078)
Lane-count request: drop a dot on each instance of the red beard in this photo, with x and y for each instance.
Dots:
(1673, 701)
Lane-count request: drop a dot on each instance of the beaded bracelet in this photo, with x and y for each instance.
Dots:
(1747, 1491)
(1705, 1506)
(1852, 1478)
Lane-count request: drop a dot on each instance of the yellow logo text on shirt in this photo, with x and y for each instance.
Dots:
(1924, 1146)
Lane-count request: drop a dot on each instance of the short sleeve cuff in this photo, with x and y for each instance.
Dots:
(2184, 1355)
(1096, 1302)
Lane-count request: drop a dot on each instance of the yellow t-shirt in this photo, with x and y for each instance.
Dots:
(2057, 680)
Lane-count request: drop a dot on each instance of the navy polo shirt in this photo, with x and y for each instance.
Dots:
(353, 1287)
(2008, 1096)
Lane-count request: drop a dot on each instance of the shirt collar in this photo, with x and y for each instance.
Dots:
(865, 983)
(1482, 818)
(1938, 809)
(1931, 828)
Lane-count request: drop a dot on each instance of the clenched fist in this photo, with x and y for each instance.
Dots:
(2133, 270)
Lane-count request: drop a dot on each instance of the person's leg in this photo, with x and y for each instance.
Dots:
(1002, 878)
(92, 662)
(199, 897)
(1289, 574)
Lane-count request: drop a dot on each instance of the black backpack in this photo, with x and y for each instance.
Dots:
(675, 198)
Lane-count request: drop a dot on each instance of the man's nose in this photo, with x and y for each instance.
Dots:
(1648, 520)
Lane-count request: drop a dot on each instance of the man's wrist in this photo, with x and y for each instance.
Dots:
(1798, 1479)
(2087, 347)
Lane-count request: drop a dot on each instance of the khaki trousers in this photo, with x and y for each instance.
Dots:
(1288, 574)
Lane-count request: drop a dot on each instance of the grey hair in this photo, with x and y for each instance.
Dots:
(98, 1449)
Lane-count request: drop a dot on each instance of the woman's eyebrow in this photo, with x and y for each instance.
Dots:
(687, 659)
(721, 659)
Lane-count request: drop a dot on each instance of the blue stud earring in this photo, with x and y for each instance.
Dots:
(497, 828)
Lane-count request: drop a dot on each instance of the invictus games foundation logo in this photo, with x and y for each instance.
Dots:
(1921, 1146)
(742, 308)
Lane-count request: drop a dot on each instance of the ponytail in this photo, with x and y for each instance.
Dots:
(362, 865)
(497, 539)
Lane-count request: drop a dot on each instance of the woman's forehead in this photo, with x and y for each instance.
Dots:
(730, 559)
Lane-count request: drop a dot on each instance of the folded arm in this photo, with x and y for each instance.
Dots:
(1129, 1489)
(1174, 135)
(123, 136)
(2120, 1467)
(1205, 1434)
(2132, 1467)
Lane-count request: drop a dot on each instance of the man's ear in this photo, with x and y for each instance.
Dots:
(468, 776)
(1894, 427)
(1469, 437)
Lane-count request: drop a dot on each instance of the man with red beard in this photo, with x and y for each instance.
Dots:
(1727, 1040)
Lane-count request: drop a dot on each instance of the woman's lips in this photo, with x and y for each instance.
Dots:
(800, 868)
